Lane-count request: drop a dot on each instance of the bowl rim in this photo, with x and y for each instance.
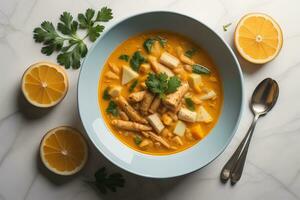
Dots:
(241, 79)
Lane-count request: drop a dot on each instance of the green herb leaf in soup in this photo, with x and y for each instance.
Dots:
(173, 83)
(133, 85)
(189, 53)
(199, 69)
(162, 41)
(106, 95)
(124, 57)
(190, 104)
(136, 60)
(148, 44)
(161, 84)
(112, 109)
(137, 139)
(150, 41)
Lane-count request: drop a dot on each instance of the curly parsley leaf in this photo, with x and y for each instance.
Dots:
(104, 15)
(48, 36)
(124, 57)
(67, 25)
(190, 103)
(173, 83)
(133, 85)
(136, 60)
(104, 181)
(199, 69)
(161, 84)
(189, 53)
(64, 38)
(112, 109)
(72, 58)
(86, 21)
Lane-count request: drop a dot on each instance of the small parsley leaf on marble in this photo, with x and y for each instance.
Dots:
(105, 182)
(226, 26)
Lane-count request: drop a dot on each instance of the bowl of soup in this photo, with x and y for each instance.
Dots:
(160, 94)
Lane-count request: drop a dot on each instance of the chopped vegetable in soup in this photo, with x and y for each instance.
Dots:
(160, 93)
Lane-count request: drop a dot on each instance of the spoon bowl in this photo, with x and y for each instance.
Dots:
(264, 96)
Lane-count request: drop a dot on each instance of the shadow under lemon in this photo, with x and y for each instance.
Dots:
(28, 110)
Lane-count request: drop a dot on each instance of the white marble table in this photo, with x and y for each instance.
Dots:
(272, 170)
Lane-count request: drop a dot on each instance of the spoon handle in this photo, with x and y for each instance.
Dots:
(226, 171)
(237, 170)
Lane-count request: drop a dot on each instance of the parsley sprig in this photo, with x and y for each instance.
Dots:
(64, 38)
(104, 181)
(161, 84)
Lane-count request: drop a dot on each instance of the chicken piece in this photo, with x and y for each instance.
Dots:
(180, 128)
(169, 60)
(210, 95)
(130, 126)
(159, 68)
(129, 110)
(173, 115)
(115, 91)
(157, 144)
(155, 122)
(145, 143)
(166, 119)
(158, 139)
(179, 50)
(155, 104)
(187, 115)
(177, 140)
(172, 100)
(186, 60)
(146, 103)
(123, 115)
(114, 68)
(145, 134)
(111, 75)
(173, 148)
(188, 68)
(166, 133)
(145, 67)
(197, 100)
(136, 96)
(163, 69)
(155, 65)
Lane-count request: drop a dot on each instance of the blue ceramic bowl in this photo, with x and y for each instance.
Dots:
(180, 163)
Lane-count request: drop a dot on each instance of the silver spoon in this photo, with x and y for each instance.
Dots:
(263, 99)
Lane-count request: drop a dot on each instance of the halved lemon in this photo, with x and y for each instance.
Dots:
(258, 38)
(64, 151)
(44, 84)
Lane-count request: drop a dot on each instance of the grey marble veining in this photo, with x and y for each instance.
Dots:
(272, 169)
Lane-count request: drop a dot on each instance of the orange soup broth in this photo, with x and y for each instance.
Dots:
(135, 43)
